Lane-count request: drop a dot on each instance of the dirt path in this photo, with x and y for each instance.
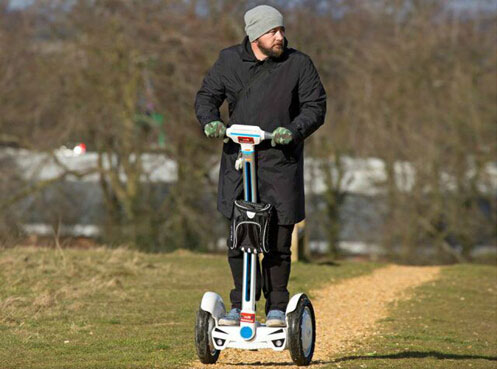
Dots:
(346, 313)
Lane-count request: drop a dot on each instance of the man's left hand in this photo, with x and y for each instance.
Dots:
(281, 136)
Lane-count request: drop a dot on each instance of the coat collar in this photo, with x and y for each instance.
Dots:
(247, 54)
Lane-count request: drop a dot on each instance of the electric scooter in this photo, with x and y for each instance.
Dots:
(298, 336)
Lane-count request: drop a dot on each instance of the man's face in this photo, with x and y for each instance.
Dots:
(272, 42)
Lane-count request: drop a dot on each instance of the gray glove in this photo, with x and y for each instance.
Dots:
(215, 129)
(281, 136)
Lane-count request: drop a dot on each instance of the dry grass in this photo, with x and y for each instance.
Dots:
(43, 280)
(107, 308)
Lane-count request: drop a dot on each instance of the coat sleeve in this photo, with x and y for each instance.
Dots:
(211, 94)
(312, 101)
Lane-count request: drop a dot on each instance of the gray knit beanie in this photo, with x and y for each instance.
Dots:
(261, 19)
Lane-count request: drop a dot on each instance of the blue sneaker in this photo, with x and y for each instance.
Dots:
(231, 318)
(275, 318)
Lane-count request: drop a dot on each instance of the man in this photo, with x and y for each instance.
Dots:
(278, 89)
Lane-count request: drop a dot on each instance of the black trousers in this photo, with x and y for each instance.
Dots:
(273, 277)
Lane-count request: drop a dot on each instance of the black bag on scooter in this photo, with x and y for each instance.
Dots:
(250, 227)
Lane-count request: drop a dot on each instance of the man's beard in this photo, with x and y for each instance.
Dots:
(272, 52)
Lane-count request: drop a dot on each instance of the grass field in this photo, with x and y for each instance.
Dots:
(114, 308)
(450, 323)
(104, 308)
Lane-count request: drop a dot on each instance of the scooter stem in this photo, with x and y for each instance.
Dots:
(248, 314)
(248, 137)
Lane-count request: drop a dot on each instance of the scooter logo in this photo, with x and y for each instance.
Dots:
(246, 140)
(247, 318)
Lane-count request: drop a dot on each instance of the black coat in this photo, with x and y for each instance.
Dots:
(290, 95)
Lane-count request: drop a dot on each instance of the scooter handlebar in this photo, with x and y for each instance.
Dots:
(255, 134)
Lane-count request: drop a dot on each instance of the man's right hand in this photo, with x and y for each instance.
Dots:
(215, 129)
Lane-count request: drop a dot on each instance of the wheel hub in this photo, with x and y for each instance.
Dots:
(211, 326)
(306, 331)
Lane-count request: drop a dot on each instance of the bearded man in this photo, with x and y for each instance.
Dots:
(277, 88)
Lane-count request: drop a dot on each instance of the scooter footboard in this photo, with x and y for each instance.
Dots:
(274, 338)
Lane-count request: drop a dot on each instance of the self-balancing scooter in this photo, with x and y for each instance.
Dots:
(298, 336)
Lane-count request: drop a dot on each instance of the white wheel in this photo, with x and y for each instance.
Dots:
(302, 332)
(204, 325)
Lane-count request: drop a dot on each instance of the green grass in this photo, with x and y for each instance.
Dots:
(105, 308)
(450, 323)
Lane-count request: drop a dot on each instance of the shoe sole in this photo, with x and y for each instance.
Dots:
(275, 323)
(228, 323)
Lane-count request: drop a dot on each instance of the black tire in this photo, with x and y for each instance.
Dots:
(204, 324)
(302, 332)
